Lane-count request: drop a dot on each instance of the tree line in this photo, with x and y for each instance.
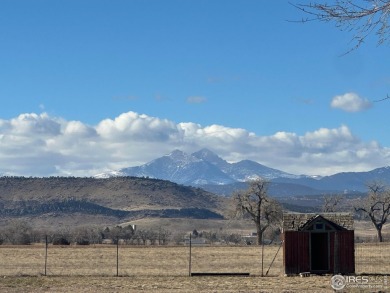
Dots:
(20, 232)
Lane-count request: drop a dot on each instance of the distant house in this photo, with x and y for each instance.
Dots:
(195, 241)
(318, 243)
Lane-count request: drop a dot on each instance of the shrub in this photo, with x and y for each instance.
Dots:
(61, 241)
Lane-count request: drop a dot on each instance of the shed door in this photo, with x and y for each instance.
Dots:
(319, 248)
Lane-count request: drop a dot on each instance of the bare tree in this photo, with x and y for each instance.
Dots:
(332, 203)
(125, 233)
(152, 236)
(62, 236)
(18, 232)
(163, 236)
(376, 206)
(361, 17)
(255, 203)
(142, 235)
(85, 235)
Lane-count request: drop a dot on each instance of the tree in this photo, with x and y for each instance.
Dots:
(119, 232)
(255, 203)
(376, 206)
(18, 232)
(362, 17)
(163, 236)
(142, 235)
(332, 203)
(152, 236)
(62, 236)
(85, 235)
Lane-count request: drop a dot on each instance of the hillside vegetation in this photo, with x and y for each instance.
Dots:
(117, 197)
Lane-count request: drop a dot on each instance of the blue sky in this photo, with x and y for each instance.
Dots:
(89, 86)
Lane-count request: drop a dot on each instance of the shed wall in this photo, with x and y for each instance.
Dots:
(346, 252)
(296, 252)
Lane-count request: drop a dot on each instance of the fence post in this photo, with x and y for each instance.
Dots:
(262, 254)
(190, 256)
(117, 256)
(46, 244)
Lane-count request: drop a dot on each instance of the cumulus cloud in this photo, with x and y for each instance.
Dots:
(41, 145)
(132, 125)
(350, 102)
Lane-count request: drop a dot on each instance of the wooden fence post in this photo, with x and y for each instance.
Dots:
(117, 256)
(190, 256)
(46, 244)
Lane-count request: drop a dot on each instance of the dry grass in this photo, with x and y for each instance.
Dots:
(136, 260)
(372, 258)
(161, 269)
(165, 284)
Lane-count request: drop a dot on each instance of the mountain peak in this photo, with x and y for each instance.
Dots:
(206, 155)
(181, 157)
(200, 168)
(210, 157)
(176, 154)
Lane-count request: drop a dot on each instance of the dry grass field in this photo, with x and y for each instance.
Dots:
(163, 269)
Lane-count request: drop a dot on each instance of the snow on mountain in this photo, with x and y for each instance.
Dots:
(246, 170)
(208, 156)
(181, 168)
(109, 174)
(200, 168)
(205, 168)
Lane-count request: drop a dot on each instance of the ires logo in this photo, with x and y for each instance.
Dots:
(339, 282)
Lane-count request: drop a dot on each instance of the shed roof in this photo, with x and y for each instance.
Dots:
(320, 219)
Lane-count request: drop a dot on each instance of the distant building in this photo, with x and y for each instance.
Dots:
(195, 241)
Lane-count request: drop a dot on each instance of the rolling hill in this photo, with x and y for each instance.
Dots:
(110, 200)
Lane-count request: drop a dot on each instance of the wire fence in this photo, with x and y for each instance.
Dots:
(372, 258)
(129, 260)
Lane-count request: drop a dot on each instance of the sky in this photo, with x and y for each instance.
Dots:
(88, 86)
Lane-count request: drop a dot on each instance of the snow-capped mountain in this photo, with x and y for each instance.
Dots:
(200, 168)
(209, 171)
(181, 168)
(241, 171)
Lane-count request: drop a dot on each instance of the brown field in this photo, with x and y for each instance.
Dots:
(163, 269)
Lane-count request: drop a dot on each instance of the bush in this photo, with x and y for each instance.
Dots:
(61, 241)
(18, 232)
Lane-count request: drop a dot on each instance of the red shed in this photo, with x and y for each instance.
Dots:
(318, 243)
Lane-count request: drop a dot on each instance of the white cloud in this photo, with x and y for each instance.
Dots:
(350, 102)
(41, 145)
(196, 100)
(134, 126)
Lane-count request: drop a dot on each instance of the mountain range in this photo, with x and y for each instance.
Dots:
(207, 170)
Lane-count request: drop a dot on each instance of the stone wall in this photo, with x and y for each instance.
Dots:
(294, 221)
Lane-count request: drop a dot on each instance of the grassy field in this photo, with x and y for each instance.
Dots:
(163, 269)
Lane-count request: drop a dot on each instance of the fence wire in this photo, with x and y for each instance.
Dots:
(101, 260)
(372, 258)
